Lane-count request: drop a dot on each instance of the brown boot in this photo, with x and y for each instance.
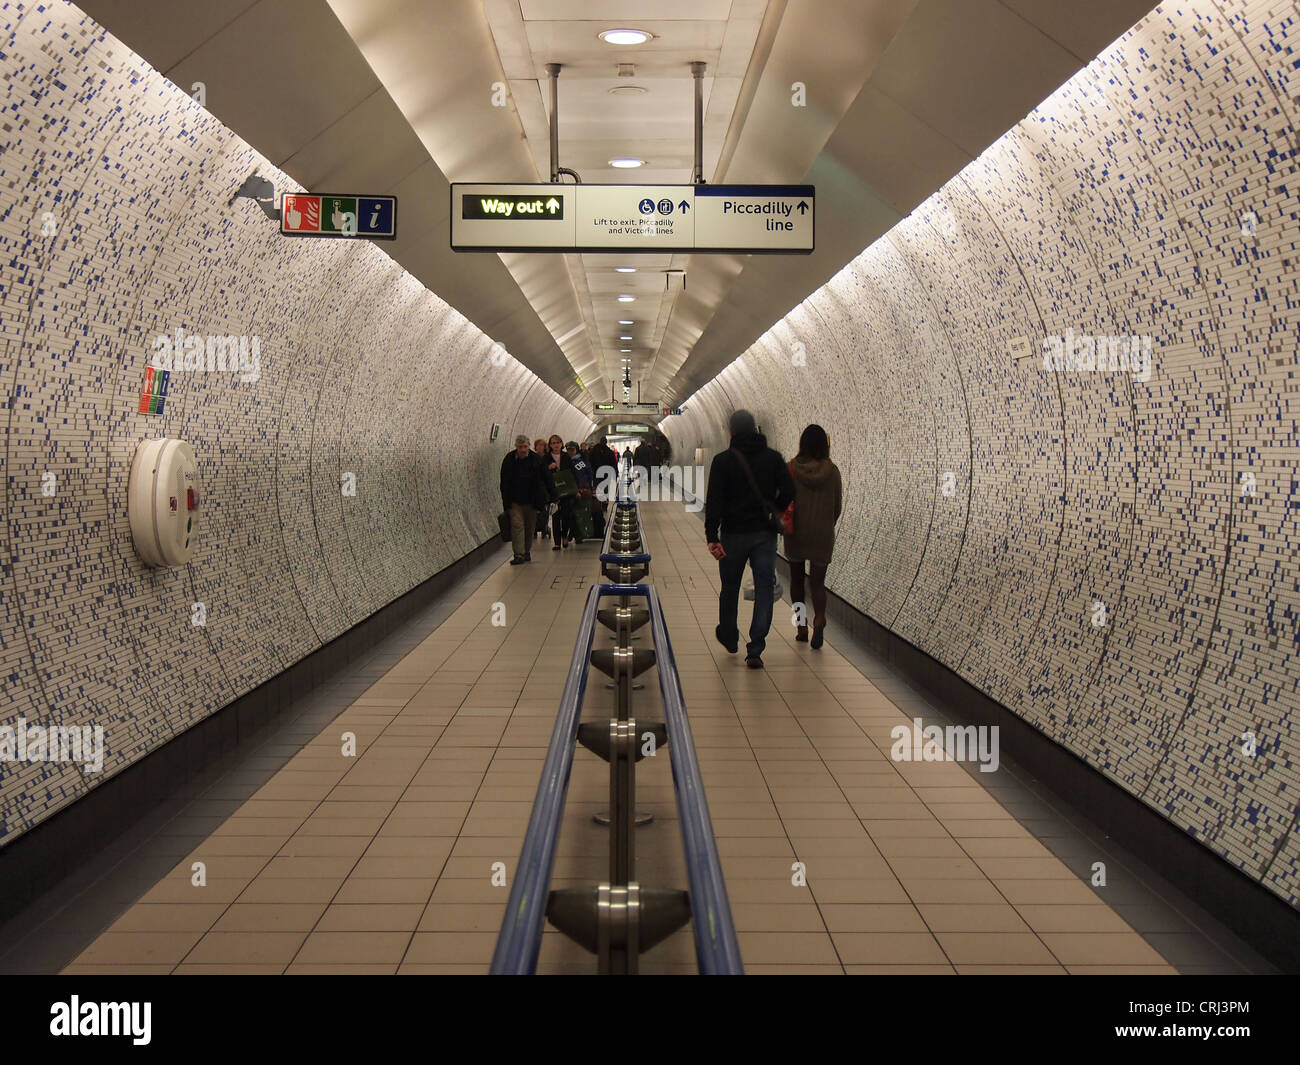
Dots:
(801, 634)
(818, 627)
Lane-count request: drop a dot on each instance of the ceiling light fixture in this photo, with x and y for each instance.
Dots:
(624, 338)
(626, 321)
(628, 90)
(626, 299)
(626, 163)
(625, 269)
(624, 36)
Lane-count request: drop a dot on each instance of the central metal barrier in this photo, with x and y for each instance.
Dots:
(618, 920)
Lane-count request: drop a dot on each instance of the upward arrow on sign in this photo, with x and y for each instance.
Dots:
(803, 207)
(684, 206)
(552, 205)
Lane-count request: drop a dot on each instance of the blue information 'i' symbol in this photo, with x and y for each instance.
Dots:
(647, 206)
(665, 206)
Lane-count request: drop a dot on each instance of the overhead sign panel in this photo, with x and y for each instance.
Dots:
(758, 217)
(512, 217)
(633, 218)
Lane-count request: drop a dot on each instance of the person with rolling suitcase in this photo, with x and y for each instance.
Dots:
(584, 528)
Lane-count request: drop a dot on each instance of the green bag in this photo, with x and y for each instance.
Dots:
(566, 484)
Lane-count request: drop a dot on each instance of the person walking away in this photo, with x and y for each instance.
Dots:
(645, 458)
(562, 518)
(818, 501)
(604, 467)
(523, 488)
(749, 488)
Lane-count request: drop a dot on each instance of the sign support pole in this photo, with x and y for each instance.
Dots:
(553, 69)
(697, 72)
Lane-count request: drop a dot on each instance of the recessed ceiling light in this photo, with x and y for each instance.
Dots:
(625, 269)
(624, 36)
(624, 349)
(627, 299)
(624, 338)
(627, 90)
(626, 163)
(626, 321)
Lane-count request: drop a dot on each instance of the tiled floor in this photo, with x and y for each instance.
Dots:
(382, 861)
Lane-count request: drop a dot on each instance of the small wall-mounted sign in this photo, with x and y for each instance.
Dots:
(333, 215)
(153, 395)
(496, 429)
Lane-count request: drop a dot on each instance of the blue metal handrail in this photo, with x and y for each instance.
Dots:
(521, 930)
(716, 947)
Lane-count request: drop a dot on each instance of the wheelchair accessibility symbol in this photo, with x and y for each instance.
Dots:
(647, 206)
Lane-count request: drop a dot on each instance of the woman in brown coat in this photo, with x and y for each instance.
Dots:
(819, 498)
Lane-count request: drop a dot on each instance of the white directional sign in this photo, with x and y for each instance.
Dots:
(641, 217)
(767, 217)
(633, 218)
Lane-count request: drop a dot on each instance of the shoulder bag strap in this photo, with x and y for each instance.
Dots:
(768, 508)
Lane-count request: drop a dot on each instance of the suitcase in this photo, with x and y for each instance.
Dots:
(503, 522)
(583, 527)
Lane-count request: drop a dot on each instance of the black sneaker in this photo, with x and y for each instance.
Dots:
(517, 561)
(731, 647)
(754, 662)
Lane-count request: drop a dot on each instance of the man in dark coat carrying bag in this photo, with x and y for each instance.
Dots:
(749, 488)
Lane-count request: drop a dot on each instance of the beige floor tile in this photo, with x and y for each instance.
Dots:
(956, 917)
(456, 948)
(139, 948)
(168, 917)
(888, 948)
(270, 917)
(353, 948)
(371, 917)
(872, 917)
(1101, 948)
(779, 948)
(246, 948)
(995, 948)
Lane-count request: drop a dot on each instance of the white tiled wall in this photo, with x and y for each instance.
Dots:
(1114, 208)
(362, 370)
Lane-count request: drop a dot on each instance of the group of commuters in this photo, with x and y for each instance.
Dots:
(753, 496)
(751, 489)
(556, 480)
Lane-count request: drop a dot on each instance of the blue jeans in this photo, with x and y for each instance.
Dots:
(759, 550)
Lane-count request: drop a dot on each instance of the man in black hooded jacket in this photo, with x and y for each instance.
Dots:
(740, 522)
